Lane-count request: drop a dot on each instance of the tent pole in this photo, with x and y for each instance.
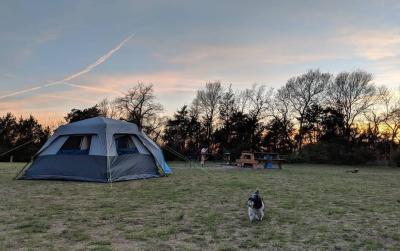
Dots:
(15, 148)
(109, 171)
(22, 169)
(178, 154)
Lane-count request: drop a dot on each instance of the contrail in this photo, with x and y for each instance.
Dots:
(98, 61)
(28, 90)
(98, 89)
(21, 92)
(87, 69)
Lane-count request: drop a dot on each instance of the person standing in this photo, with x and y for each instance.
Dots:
(203, 156)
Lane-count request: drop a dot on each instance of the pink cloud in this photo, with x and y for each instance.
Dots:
(281, 54)
(168, 86)
(164, 81)
(372, 44)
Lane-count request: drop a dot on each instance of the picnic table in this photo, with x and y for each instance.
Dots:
(268, 159)
(247, 159)
(260, 160)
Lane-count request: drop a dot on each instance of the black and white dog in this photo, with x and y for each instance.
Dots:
(256, 207)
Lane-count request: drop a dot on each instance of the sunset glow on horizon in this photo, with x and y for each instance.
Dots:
(59, 55)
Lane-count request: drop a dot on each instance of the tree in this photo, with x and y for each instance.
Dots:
(377, 116)
(242, 100)
(280, 107)
(304, 91)
(29, 129)
(351, 93)
(227, 105)
(8, 133)
(108, 109)
(200, 138)
(236, 125)
(311, 123)
(76, 115)
(195, 109)
(259, 98)
(278, 137)
(181, 132)
(390, 118)
(240, 132)
(209, 100)
(332, 125)
(279, 132)
(374, 121)
(139, 105)
(154, 127)
(15, 133)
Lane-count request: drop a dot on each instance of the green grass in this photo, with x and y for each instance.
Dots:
(308, 207)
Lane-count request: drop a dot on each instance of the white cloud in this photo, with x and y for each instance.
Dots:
(44, 37)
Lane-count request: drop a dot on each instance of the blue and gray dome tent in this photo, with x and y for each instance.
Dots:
(98, 149)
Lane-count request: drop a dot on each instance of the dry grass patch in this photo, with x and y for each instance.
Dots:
(309, 207)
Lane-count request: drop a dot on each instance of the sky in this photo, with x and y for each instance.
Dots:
(59, 55)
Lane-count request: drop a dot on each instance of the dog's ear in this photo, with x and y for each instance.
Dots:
(257, 192)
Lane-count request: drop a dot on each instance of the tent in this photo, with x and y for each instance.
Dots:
(98, 149)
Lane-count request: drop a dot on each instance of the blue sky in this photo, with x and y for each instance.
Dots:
(180, 45)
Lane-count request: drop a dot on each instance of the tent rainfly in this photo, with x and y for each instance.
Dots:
(98, 149)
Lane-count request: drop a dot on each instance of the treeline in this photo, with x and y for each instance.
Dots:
(316, 117)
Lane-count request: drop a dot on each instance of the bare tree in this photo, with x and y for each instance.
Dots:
(304, 91)
(155, 126)
(139, 105)
(260, 98)
(109, 109)
(374, 120)
(280, 111)
(195, 109)
(392, 122)
(351, 93)
(280, 107)
(209, 99)
(391, 117)
(227, 105)
(242, 99)
(377, 115)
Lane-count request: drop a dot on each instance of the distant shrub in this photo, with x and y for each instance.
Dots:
(395, 159)
(333, 153)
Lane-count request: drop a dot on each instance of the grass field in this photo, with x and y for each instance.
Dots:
(308, 207)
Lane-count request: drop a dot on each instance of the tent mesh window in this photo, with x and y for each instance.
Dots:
(125, 145)
(76, 145)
